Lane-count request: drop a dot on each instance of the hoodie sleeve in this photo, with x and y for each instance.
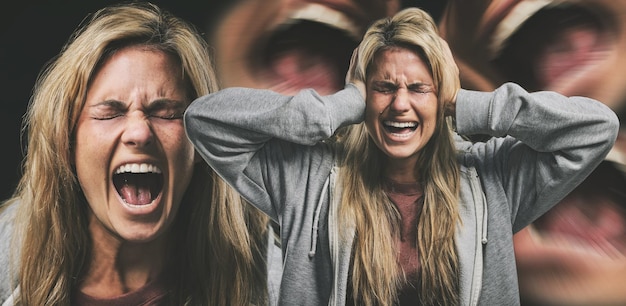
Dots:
(545, 143)
(258, 140)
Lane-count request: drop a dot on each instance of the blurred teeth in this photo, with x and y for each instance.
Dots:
(322, 14)
(519, 14)
(137, 168)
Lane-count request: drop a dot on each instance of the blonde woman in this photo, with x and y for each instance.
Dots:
(115, 207)
(380, 202)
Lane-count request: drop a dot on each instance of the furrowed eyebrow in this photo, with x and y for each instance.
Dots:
(111, 103)
(167, 103)
(420, 86)
(384, 82)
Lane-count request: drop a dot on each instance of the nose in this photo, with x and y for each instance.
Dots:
(138, 131)
(401, 101)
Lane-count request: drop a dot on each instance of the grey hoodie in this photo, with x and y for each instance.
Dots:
(271, 148)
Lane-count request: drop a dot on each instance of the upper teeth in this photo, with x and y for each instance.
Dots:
(323, 14)
(401, 124)
(137, 168)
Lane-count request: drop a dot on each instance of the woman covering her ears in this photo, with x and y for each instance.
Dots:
(379, 200)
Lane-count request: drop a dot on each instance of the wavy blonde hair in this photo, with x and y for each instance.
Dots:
(217, 253)
(376, 275)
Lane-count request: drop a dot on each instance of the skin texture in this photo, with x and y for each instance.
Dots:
(133, 114)
(400, 90)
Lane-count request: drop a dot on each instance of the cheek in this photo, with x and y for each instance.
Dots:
(373, 109)
(428, 111)
(92, 144)
(371, 120)
(176, 145)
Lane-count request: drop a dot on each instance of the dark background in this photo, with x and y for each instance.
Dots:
(32, 32)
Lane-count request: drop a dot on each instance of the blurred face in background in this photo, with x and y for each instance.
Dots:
(288, 45)
(576, 253)
(572, 47)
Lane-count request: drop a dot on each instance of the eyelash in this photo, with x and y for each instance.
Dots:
(107, 117)
(387, 91)
(171, 117)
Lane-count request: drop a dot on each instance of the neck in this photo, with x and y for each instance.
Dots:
(117, 267)
(401, 170)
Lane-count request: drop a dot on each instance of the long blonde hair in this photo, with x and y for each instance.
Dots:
(217, 257)
(376, 276)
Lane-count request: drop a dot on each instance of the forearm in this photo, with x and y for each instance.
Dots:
(545, 121)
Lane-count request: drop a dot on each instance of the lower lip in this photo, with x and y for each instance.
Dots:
(399, 136)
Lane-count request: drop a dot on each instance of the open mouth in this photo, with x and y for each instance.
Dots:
(311, 49)
(538, 46)
(600, 232)
(400, 128)
(590, 220)
(138, 184)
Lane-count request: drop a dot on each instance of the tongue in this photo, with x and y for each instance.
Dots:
(136, 196)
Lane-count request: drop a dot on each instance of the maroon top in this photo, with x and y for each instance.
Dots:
(409, 200)
(154, 293)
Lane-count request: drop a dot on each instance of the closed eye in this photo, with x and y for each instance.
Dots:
(166, 109)
(384, 87)
(420, 88)
(108, 110)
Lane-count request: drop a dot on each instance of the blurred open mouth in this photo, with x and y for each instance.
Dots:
(311, 49)
(587, 224)
(537, 43)
(138, 184)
